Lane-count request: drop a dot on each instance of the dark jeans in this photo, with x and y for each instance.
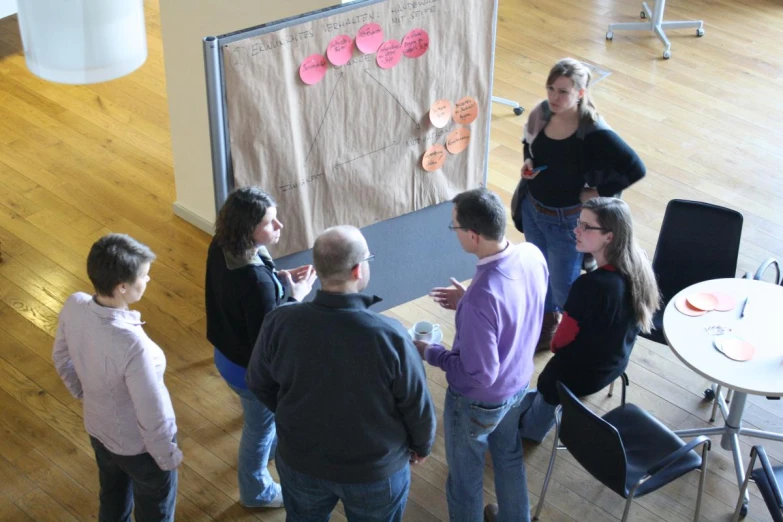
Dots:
(126, 480)
(310, 499)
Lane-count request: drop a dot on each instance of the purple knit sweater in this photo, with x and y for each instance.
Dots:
(498, 322)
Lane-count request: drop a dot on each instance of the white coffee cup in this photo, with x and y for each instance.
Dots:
(425, 330)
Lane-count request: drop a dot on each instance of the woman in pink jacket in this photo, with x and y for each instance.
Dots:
(105, 359)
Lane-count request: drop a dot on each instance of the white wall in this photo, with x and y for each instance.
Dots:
(7, 8)
(184, 25)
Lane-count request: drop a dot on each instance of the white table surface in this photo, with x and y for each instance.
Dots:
(762, 326)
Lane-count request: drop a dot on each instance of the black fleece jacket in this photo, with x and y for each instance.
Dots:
(347, 387)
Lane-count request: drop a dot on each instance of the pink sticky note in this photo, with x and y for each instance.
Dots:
(369, 38)
(389, 54)
(340, 50)
(313, 69)
(415, 43)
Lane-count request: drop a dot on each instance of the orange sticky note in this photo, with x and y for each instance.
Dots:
(440, 113)
(340, 50)
(465, 110)
(737, 349)
(313, 69)
(725, 302)
(369, 38)
(389, 54)
(415, 43)
(433, 158)
(458, 140)
(683, 306)
(703, 301)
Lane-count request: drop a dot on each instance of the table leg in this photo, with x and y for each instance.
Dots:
(769, 435)
(700, 431)
(733, 423)
(738, 465)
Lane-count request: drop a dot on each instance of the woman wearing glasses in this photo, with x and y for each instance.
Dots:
(603, 314)
(242, 286)
(571, 155)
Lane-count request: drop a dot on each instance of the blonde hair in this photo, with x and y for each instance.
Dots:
(625, 254)
(578, 73)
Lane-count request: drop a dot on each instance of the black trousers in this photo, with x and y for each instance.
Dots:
(136, 479)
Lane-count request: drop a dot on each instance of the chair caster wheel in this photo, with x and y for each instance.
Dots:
(709, 394)
(699, 32)
(609, 35)
(667, 55)
(642, 15)
(743, 511)
(518, 111)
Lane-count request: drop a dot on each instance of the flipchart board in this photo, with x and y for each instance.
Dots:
(360, 114)
(364, 115)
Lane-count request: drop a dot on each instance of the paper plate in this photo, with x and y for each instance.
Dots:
(682, 305)
(725, 302)
(703, 301)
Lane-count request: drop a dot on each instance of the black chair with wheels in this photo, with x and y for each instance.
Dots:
(697, 242)
(768, 480)
(628, 450)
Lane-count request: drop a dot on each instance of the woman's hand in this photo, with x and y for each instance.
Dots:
(299, 281)
(527, 170)
(588, 193)
(296, 273)
(448, 297)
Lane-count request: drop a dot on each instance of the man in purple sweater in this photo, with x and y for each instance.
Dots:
(491, 361)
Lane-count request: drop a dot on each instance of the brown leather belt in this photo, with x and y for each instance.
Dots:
(548, 212)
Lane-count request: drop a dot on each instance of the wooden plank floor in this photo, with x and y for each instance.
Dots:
(79, 161)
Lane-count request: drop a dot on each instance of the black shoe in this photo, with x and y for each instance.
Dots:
(490, 512)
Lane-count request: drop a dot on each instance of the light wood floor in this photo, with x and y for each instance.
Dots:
(78, 162)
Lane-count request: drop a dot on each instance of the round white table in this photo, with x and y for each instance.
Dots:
(691, 341)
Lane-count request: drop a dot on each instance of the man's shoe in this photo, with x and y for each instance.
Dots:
(490, 512)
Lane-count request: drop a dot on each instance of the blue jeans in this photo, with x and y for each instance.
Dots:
(470, 428)
(555, 237)
(538, 418)
(256, 486)
(135, 479)
(310, 499)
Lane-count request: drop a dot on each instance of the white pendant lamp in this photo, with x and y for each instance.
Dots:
(83, 41)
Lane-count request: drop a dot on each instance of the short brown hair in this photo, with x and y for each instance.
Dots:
(115, 259)
(481, 211)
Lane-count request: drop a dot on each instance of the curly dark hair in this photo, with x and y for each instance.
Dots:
(243, 210)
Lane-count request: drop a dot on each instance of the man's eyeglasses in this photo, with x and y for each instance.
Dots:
(584, 227)
(369, 258)
(453, 228)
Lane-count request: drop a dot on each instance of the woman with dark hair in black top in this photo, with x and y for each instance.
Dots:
(603, 314)
(243, 286)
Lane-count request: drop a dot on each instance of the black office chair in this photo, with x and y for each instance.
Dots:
(768, 479)
(697, 242)
(627, 449)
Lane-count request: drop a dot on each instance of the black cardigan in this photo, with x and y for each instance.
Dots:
(600, 302)
(237, 300)
(609, 163)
